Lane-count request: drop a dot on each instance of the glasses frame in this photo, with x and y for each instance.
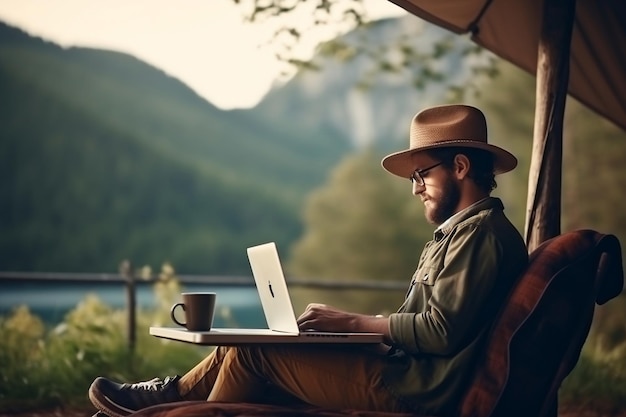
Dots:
(416, 176)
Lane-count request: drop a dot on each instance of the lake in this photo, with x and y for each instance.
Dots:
(51, 301)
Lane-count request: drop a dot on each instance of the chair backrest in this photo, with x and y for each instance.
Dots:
(538, 335)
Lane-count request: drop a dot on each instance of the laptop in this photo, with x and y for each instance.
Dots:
(277, 307)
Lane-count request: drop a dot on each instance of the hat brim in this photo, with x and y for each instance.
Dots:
(401, 163)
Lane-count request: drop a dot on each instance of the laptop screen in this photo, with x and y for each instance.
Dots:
(272, 288)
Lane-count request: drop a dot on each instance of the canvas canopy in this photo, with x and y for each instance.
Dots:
(511, 30)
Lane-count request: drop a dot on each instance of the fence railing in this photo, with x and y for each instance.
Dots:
(130, 278)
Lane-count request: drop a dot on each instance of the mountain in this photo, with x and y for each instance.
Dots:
(103, 158)
(359, 99)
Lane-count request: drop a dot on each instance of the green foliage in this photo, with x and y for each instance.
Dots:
(596, 383)
(43, 368)
(594, 174)
(512, 130)
(363, 224)
(105, 158)
(296, 20)
(21, 346)
(606, 342)
(166, 291)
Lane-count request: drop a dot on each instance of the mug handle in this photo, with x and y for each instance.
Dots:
(173, 316)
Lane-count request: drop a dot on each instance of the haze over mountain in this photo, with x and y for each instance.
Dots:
(358, 99)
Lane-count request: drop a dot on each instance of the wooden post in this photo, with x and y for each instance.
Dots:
(543, 207)
(126, 271)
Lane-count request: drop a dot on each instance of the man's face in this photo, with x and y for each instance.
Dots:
(440, 193)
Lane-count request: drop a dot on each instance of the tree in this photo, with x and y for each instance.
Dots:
(594, 175)
(364, 224)
(508, 101)
(321, 22)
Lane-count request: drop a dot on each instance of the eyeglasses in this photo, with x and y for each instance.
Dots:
(416, 176)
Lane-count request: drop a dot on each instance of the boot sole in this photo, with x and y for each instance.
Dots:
(104, 404)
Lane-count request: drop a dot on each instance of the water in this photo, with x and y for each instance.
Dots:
(51, 301)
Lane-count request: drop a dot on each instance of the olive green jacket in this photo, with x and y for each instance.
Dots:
(461, 280)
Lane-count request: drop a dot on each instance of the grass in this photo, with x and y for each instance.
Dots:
(42, 368)
(598, 382)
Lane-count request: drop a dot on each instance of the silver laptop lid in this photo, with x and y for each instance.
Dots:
(272, 288)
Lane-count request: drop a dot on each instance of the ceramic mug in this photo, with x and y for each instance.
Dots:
(199, 308)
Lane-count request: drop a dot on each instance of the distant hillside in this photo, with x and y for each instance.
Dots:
(330, 100)
(103, 157)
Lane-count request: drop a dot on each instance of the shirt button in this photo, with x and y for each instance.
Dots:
(425, 278)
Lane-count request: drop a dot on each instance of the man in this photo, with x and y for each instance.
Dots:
(431, 343)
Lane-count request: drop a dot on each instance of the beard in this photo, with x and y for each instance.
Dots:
(444, 206)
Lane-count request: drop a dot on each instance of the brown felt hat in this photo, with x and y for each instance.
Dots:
(443, 127)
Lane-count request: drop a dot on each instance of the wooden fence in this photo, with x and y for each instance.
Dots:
(129, 278)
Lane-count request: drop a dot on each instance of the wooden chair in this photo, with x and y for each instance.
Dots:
(534, 344)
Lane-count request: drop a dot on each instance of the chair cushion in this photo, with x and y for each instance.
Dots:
(538, 335)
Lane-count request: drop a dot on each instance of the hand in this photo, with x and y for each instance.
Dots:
(328, 319)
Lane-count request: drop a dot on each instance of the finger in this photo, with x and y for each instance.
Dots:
(307, 324)
(307, 315)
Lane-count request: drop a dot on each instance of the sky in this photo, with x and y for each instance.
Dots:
(207, 44)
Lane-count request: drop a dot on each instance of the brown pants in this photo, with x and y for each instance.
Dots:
(326, 376)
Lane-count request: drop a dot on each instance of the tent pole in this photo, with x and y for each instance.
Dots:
(543, 206)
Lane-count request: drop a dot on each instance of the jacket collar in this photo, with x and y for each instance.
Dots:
(486, 203)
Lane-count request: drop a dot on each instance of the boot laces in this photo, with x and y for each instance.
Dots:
(153, 385)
